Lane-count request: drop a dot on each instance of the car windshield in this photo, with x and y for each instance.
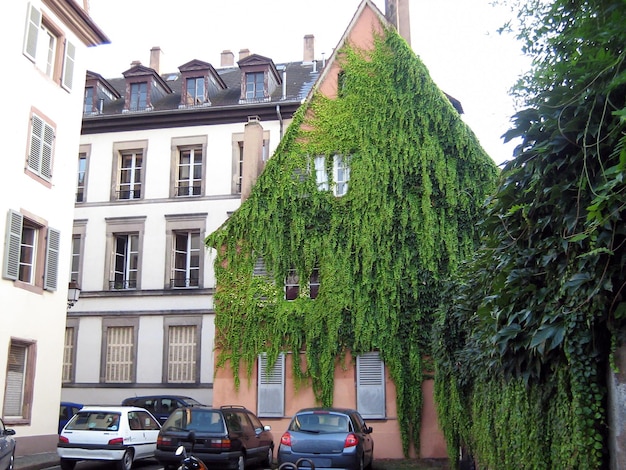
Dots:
(94, 421)
(319, 423)
(190, 419)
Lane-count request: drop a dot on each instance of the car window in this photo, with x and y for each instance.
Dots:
(149, 404)
(206, 421)
(142, 420)
(169, 404)
(256, 423)
(233, 421)
(94, 421)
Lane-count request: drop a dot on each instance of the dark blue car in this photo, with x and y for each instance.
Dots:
(7, 447)
(66, 411)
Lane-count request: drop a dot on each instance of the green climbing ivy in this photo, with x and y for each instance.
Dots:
(418, 179)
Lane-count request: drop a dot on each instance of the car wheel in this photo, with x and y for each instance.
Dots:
(241, 463)
(67, 464)
(269, 459)
(127, 461)
(362, 463)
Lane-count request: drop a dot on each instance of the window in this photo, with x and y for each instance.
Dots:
(196, 91)
(126, 261)
(130, 175)
(189, 174)
(370, 375)
(40, 149)
(120, 346)
(88, 106)
(341, 174)
(138, 96)
(321, 175)
(50, 51)
(182, 345)
(82, 173)
(76, 261)
(292, 284)
(240, 169)
(69, 353)
(20, 377)
(31, 252)
(255, 88)
(271, 387)
(185, 265)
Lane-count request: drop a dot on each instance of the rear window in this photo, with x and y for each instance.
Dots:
(190, 419)
(94, 421)
(320, 422)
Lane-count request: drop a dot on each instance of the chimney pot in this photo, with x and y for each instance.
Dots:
(243, 53)
(155, 59)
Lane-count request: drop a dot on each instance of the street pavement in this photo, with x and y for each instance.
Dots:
(36, 461)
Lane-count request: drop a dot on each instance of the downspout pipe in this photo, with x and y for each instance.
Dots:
(280, 119)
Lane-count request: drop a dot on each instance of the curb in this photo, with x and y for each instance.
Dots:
(36, 461)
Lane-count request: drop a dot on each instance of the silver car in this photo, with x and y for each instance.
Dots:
(7, 447)
(328, 438)
(122, 434)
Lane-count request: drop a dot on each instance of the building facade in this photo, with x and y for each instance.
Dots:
(164, 159)
(45, 43)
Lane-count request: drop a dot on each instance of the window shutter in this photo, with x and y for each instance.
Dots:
(68, 65)
(271, 387)
(11, 265)
(33, 23)
(46, 156)
(36, 144)
(370, 375)
(52, 259)
(16, 372)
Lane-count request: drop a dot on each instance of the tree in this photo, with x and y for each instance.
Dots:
(527, 338)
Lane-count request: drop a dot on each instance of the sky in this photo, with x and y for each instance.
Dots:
(457, 40)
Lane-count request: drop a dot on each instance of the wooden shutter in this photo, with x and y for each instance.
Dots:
(33, 24)
(271, 387)
(370, 375)
(51, 271)
(11, 264)
(40, 152)
(182, 351)
(16, 376)
(68, 65)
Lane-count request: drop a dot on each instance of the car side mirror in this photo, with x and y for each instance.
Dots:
(369, 430)
(267, 427)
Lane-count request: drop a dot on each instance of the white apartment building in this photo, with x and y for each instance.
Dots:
(165, 157)
(44, 46)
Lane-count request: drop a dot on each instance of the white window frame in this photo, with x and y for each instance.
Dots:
(341, 174)
(187, 256)
(252, 86)
(138, 100)
(193, 168)
(271, 387)
(128, 276)
(370, 385)
(130, 177)
(321, 175)
(198, 97)
(18, 256)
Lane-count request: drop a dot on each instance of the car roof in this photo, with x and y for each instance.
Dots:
(159, 396)
(111, 409)
(326, 409)
(72, 403)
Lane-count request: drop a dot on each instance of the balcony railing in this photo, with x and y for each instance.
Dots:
(123, 284)
(183, 283)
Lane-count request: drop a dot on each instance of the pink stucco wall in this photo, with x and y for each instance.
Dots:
(386, 432)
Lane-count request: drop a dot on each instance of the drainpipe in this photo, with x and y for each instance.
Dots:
(280, 119)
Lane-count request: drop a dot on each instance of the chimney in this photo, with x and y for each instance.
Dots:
(155, 59)
(135, 63)
(252, 155)
(228, 59)
(309, 48)
(397, 13)
(243, 53)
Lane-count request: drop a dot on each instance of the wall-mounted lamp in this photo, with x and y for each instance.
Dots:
(73, 293)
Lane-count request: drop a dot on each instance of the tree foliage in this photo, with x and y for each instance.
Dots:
(533, 315)
(418, 179)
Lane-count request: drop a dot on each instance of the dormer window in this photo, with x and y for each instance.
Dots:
(88, 107)
(259, 79)
(255, 85)
(138, 96)
(196, 91)
(98, 93)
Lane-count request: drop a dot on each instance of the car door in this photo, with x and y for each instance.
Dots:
(262, 438)
(364, 434)
(144, 429)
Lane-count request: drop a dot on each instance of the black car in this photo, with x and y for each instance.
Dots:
(329, 438)
(161, 406)
(227, 437)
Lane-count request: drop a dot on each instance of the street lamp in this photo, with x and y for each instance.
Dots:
(73, 293)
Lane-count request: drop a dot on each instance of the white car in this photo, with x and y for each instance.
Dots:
(108, 433)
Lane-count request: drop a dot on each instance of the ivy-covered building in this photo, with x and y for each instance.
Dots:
(328, 275)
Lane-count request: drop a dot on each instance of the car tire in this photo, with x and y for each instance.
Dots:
(67, 464)
(269, 459)
(241, 462)
(362, 463)
(127, 461)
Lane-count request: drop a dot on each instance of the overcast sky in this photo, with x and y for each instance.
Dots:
(456, 39)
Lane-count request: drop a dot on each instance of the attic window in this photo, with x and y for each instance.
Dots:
(138, 96)
(255, 85)
(196, 91)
